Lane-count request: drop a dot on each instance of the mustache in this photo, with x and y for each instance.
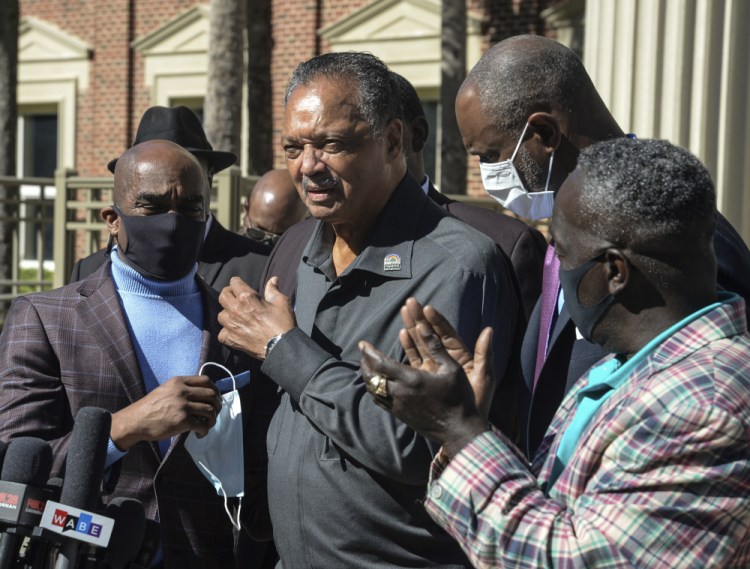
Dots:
(319, 180)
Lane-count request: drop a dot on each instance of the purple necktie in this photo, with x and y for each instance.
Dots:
(550, 288)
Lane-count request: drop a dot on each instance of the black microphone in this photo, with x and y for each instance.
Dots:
(3, 450)
(127, 535)
(84, 469)
(38, 544)
(149, 547)
(87, 453)
(54, 487)
(26, 466)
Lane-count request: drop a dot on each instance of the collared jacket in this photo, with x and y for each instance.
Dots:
(659, 478)
(347, 479)
(70, 348)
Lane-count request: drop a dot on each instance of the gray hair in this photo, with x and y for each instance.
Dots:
(378, 95)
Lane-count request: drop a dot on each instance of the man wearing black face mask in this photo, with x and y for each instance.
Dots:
(131, 338)
(224, 254)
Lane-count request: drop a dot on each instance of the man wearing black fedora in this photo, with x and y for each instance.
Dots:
(224, 254)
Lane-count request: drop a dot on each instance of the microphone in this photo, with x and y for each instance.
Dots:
(149, 547)
(26, 466)
(74, 516)
(87, 452)
(3, 449)
(54, 487)
(36, 552)
(127, 536)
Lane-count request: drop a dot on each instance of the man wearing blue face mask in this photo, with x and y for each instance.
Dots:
(131, 338)
(526, 110)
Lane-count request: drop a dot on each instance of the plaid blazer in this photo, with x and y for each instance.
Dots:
(659, 478)
(70, 348)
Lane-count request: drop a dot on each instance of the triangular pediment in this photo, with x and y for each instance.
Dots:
(39, 41)
(187, 33)
(392, 20)
(387, 19)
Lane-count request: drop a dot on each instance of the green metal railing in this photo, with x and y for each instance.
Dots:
(78, 231)
(30, 225)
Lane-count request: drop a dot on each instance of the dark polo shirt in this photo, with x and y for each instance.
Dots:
(346, 478)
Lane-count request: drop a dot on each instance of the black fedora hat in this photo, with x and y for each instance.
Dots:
(181, 126)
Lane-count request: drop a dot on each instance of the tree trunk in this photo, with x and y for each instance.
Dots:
(453, 72)
(8, 126)
(222, 109)
(259, 87)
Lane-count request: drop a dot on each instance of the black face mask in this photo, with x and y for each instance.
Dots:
(584, 317)
(165, 246)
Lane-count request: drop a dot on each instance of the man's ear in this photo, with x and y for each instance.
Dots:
(393, 136)
(419, 132)
(618, 271)
(110, 217)
(547, 130)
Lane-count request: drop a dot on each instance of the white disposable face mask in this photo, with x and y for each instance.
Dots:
(219, 455)
(502, 182)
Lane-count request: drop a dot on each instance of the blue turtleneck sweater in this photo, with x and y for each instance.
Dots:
(165, 321)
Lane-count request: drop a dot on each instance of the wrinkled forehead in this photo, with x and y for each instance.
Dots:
(160, 169)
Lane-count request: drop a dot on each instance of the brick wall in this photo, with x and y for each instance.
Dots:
(109, 111)
(294, 38)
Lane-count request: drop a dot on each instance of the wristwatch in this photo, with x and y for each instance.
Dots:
(272, 342)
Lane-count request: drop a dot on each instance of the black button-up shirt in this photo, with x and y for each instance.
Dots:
(346, 478)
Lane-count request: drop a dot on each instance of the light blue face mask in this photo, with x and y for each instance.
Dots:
(219, 455)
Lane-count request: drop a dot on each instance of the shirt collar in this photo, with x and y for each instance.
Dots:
(426, 184)
(613, 372)
(388, 249)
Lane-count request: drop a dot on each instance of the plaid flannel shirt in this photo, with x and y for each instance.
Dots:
(659, 478)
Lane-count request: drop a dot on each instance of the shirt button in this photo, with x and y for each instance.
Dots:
(436, 491)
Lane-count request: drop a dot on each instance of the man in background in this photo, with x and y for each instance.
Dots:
(647, 461)
(224, 254)
(524, 245)
(529, 103)
(131, 338)
(272, 207)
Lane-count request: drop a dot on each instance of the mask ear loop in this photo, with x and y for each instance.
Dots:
(549, 172)
(221, 487)
(234, 382)
(518, 145)
(236, 524)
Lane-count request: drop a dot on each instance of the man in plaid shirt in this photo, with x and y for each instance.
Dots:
(647, 461)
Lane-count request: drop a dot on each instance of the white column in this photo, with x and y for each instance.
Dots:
(680, 70)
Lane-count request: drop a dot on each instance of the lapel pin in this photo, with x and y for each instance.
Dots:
(392, 262)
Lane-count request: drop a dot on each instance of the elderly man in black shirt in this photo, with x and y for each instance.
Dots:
(346, 478)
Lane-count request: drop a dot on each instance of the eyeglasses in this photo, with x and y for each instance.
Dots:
(262, 236)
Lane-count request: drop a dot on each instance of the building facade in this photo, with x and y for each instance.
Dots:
(676, 69)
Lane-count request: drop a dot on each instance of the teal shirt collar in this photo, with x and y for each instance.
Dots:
(606, 377)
